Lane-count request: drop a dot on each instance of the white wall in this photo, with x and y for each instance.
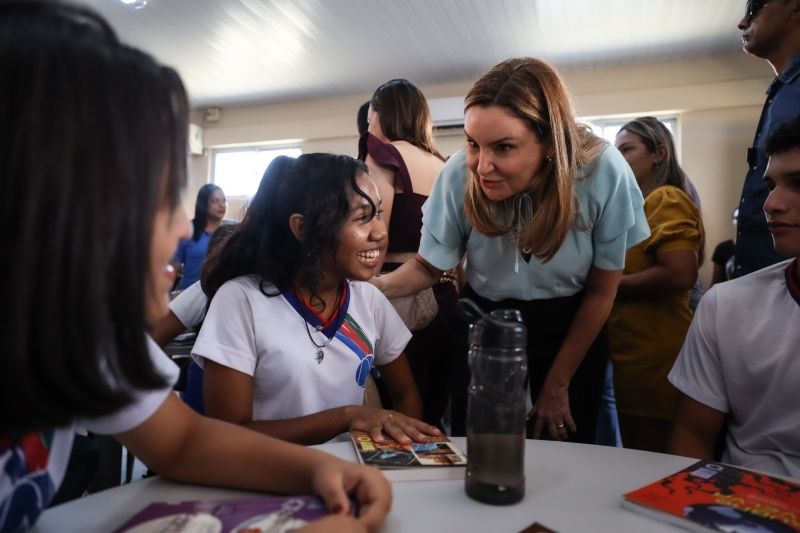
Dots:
(717, 100)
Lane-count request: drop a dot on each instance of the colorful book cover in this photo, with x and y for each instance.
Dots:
(268, 514)
(708, 496)
(435, 451)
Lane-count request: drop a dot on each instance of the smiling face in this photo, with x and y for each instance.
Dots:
(169, 226)
(641, 160)
(363, 237)
(782, 207)
(503, 152)
(217, 205)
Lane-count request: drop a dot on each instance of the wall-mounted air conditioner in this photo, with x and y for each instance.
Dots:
(447, 113)
(195, 139)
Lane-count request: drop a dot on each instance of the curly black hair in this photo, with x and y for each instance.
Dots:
(318, 186)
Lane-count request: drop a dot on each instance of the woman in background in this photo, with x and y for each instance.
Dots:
(209, 212)
(544, 212)
(402, 157)
(95, 133)
(651, 315)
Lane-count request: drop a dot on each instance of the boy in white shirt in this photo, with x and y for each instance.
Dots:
(741, 360)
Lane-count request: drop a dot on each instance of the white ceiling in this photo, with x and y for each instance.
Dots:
(263, 51)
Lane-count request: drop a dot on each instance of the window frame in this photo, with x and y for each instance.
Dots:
(247, 148)
(603, 122)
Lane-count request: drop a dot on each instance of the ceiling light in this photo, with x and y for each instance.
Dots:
(136, 4)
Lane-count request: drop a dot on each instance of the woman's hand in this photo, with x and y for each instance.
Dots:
(398, 426)
(552, 412)
(377, 281)
(336, 481)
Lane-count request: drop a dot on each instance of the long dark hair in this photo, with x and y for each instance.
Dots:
(201, 209)
(90, 130)
(318, 186)
(404, 114)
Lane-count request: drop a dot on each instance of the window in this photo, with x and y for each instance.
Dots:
(239, 170)
(607, 128)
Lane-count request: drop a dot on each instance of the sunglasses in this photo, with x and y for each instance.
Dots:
(752, 8)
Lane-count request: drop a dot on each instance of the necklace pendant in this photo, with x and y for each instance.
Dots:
(320, 356)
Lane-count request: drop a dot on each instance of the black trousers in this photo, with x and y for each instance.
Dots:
(547, 322)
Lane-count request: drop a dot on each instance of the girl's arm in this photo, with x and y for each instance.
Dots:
(228, 395)
(676, 271)
(181, 445)
(402, 387)
(552, 405)
(166, 329)
(413, 276)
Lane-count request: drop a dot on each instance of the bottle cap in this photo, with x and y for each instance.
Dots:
(501, 328)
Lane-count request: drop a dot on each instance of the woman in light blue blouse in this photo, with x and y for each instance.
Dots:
(544, 211)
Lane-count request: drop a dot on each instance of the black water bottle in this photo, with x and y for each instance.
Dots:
(496, 409)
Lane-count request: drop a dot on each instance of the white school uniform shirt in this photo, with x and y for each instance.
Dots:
(32, 467)
(190, 305)
(742, 357)
(267, 337)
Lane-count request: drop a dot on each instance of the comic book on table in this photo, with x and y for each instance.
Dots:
(709, 496)
(266, 514)
(436, 458)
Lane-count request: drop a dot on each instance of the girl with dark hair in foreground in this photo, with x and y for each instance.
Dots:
(92, 157)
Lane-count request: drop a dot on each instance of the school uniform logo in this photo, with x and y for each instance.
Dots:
(24, 463)
(352, 336)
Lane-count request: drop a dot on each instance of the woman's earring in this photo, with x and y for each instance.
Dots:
(549, 158)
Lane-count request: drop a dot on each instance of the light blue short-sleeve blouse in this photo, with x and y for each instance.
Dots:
(611, 221)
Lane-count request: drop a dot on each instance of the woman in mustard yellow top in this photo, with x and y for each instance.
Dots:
(651, 314)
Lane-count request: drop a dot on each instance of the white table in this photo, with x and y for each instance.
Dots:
(569, 488)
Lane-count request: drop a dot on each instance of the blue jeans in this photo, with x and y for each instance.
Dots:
(607, 432)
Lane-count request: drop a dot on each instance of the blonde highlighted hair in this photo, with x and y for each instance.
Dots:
(534, 92)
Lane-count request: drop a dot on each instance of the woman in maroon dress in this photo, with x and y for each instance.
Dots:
(402, 157)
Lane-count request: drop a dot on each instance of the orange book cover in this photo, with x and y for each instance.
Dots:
(709, 496)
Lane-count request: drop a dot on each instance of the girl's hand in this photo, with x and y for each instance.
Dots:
(552, 412)
(398, 426)
(335, 480)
